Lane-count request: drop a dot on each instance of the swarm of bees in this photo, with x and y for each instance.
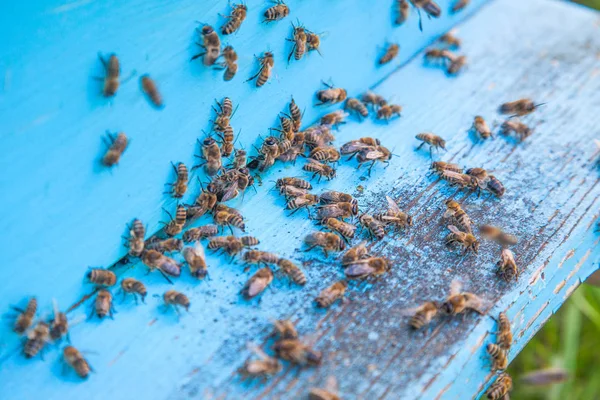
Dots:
(444, 55)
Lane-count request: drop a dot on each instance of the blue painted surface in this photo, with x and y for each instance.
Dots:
(67, 213)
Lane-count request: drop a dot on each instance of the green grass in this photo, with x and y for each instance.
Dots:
(590, 3)
(570, 340)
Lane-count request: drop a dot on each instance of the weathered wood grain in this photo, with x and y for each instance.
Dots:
(542, 49)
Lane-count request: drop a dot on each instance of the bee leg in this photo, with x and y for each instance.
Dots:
(421, 145)
(258, 73)
(230, 228)
(135, 298)
(197, 56)
(68, 336)
(310, 248)
(371, 166)
(326, 254)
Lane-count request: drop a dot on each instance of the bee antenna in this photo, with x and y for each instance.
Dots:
(540, 104)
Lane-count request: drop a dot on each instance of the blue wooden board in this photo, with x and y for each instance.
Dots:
(64, 213)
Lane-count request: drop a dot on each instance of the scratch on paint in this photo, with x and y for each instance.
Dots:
(569, 254)
(69, 6)
(532, 320)
(572, 288)
(559, 287)
(114, 360)
(479, 343)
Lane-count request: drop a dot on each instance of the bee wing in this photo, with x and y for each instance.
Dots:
(409, 312)
(230, 192)
(199, 250)
(77, 320)
(373, 154)
(55, 308)
(455, 287)
(392, 205)
(253, 347)
(454, 229)
(477, 303)
(597, 142)
(359, 269)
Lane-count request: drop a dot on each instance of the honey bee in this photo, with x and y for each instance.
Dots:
(211, 155)
(422, 315)
(355, 254)
(356, 106)
(116, 147)
(317, 168)
(373, 99)
(164, 246)
(458, 179)
(266, 62)
(135, 287)
(224, 114)
(181, 183)
(499, 357)
(319, 135)
(175, 226)
(331, 294)
(504, 335)
(176, 299)
(390, 53)
(296, 114)
(297, 352)
(296, 182)
(482, 128)
(257, 283)
(457, 63)
(287, 127)
(374, 227)
(459, 302)
(284, 329)
(25, 317)
(331, 95)
(231, 244)
(303, 201)
(227, 140)
(517, 127)
(325, 154)
(165, 265)
(434, 141)
(292, 191)
(292, 270)
(519, 107)
(203, 203)
(299, 40)
(495, 186)
(59, 326)
(238, 15)
(402, 11)
(480, 175)
(201, 232)
(151, 91)
(263, 368)
(450, 40)
(388, 111)
(498, 235)
(230, 58)
(322, 394)
(466, 240)
(137, 231)
(458, 215)
(394, 215)
(260, 257)
(239, 159)
(332, 196)
(341, 210)
(102, 277)
(507, 267)
(37, 338)
(313, 41)
(103, 305)
(335, 118)
(229, 219)
(211, 45)
(373, 155)
(546, 376)
(326, 240)
(443, 55)
(196, 260)
(112, 72)
(441, 166)
(353, 147)
(277, 12)
(345, 229)
(75, 360)
(430, 8)
(368, 267)
(500, 388)
(460, 5)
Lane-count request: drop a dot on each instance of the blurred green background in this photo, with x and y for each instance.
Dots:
(570, 340)
(590, 3)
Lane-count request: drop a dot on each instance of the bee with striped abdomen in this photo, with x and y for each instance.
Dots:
(373, 99)
(388, 111)
(460, 5)
(335, 118)
(482, 128)
(430, 7)
(353, 147)
(504, 336)
(519, 107)
(299, 40)
(434, 141)
(211, 45)
(151, 91)
(356, 106)
(458, 216)
(318, 168)
(327, 241)
(373, 155)
(230, 58)
(390, 53)
(134, 287)
(196, 260)
(75, 360)
(422, 315)
(325, 154)
(463, 239)
(116, 147)
(179, 187)
(165, 265)
(374, 227)
(450, 40)
(260, 257)
(228, 217)
(354, 254)
(313, 41)
(402, 9)
(169, 245)
(176, 299)
(237, 16)
(37, 339)
(499, 357)
(102, 277)
(112, 71)
(332, 196)
(458, 301)
(507, 267)
(302, 201)
(277, 12)
(266, 62)
(340, 210)
(394, 216)
(368, 267)
(517, 127)
(257, 283)
(201, 232)
(211, 155)
(499, 389)
(345, 229)
(297, 182)
(175, 225)
(263, 368)
(25, 318)
(103, 305)
(331, 95)
(136, 240)
(59, 325)
(292, 271)
(441, 166)
(495, 186)
(296, 115)
(331, 294)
